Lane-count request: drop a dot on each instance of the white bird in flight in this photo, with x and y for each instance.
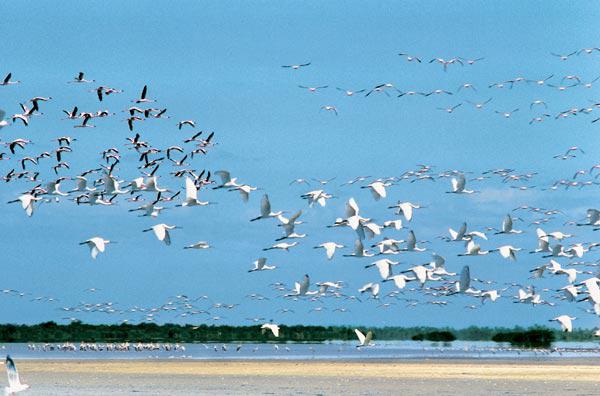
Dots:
(364, 340)
(405, 209)
(261, 265)
(399, 280)
(507, 251)
(371, 287)
(384, 266)
(507, 226)
(463, 235)
(318, 196)
(300, 288)
(226, 180)
(191, 194)
(161, 231)
(378, 189)
(282, 246)
(296, 67)
(459, 184)
(96, 244)
(265, 209)
(198, 245)
(27, 201)
(14, 383)
(411, 243)
(566, 322)
(474, 249)
(330, 248)
(272, 327)
(359, 250)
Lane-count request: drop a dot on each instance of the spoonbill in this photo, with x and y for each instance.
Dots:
(411, 243)
(507, 226)
(507, 251)
(244, 190)
(14, 383)
(191, 194)
(198, 245)
(422, 274)
(473, 249)
(289, 226)
(296, 67)
(359, 250)
(161, 231)
(96, 244)
(272, 327)
(395, 224)
(463, 235)
(261, 265)
(27, 201)
(384, 266)
(399, 280)
(364, 340)
(318, 196)
(464, 283)
(330, 248)
(566, 322)
(300, 288)
(458, 185)
(405, 209)
(282, 246)
(226, 180)
(378, 189)
(371, 287)
(265, 209)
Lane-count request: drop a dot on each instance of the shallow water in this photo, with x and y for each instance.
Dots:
(326, 351)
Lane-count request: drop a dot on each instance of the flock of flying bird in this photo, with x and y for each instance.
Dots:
(539, 108)
(47, 178)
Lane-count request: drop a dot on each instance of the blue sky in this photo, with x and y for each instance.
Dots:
(219, 63)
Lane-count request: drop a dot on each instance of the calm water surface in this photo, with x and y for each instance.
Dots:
(325, 351)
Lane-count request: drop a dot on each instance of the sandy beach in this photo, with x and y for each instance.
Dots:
(160, 377)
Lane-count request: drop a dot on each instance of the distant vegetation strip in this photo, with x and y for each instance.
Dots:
(150, 332)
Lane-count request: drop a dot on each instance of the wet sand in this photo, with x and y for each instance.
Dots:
(435, 377)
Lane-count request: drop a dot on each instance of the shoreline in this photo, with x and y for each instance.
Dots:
(587, 369)
(546, 359)
(423, 377)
